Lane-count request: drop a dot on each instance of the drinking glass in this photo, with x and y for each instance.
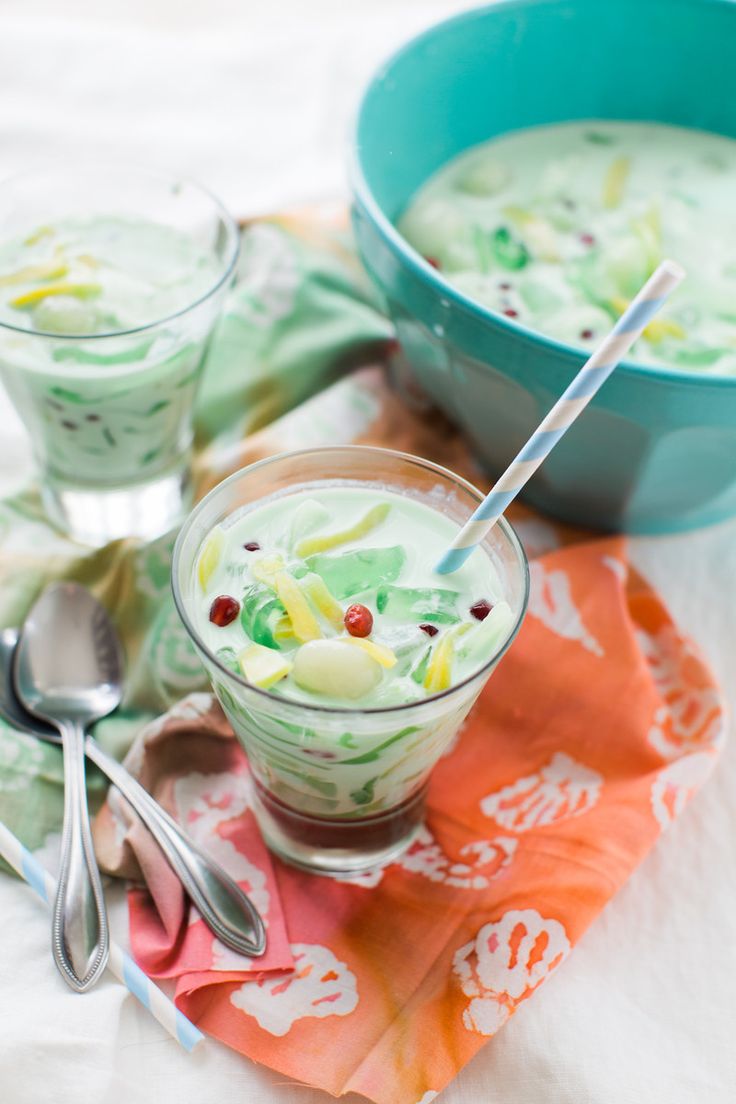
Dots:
(341, 790)
(110, 413)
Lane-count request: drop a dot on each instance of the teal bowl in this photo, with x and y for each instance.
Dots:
(656, 450)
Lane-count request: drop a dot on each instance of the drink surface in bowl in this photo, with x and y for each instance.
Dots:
(556, 227)
(106, 307)
(344, 663)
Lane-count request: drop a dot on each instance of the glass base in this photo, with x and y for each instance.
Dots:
(340, 848)
(96, 515)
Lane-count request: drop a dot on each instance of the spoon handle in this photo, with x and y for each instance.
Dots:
(80, 936)
(225, 908)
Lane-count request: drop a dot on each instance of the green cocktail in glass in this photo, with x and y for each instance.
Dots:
(344, 664)
(110, 284)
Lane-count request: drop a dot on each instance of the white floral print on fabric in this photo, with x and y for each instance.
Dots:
(560, 789)
(268, 277)
(550, 600)
(320, 985)
(206, 801)
(482, 861)
(505, 963)
(692, 717)
(675, 785)
(618, 567)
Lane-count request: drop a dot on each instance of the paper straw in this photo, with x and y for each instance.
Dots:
(573, 400)
(119, 962)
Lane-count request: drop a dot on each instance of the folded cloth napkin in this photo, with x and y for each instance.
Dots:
(589, 739)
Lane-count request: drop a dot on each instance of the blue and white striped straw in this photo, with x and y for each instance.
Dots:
(119, 962)
(574, 399)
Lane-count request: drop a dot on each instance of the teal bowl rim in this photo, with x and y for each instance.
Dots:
(430, 277)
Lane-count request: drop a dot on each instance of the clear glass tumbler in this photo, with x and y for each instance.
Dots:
(110, 412)
(341, 790)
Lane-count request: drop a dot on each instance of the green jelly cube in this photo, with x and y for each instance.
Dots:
(418, 604)
(259, 614)
(229, 658)
(351, 573)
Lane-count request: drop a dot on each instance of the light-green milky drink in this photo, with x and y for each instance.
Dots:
(110, 412)
(330, 598)
(111, 281)
(557, 227)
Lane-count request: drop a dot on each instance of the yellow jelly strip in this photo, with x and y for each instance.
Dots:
(283, 632)
(614, 182)
(77, 291)
(382, 655)
(266, 568)
(303, 621)
(439, 669)
(38, 235)
(51, 270)
(658, 329)
(309, 545)
(316, 590)
(89, 260)
(519, 215)
(263, 666)
(209, 557)
(648, 228)
(538, 233)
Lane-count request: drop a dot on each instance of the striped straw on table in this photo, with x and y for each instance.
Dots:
(119, 962)
(573, 400)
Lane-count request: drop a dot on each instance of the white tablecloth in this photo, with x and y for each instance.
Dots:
(253, 97)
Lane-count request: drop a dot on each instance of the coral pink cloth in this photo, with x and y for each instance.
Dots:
(587, 742)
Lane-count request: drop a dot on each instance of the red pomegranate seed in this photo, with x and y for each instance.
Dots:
(511, 313)
(587, 335)
(434, 262)
(252, 546)
(587, 239)
(481, 609)
(358, 620)
(430, 630)
(224, 610)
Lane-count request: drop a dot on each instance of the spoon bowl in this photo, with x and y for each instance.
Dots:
(69, 663)
(68, 671)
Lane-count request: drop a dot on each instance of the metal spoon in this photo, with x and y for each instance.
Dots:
(223, 905)
(68, 672)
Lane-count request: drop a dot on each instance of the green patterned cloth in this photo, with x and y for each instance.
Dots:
(300, 315)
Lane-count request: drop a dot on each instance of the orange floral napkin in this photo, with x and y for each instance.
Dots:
(588, 740)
